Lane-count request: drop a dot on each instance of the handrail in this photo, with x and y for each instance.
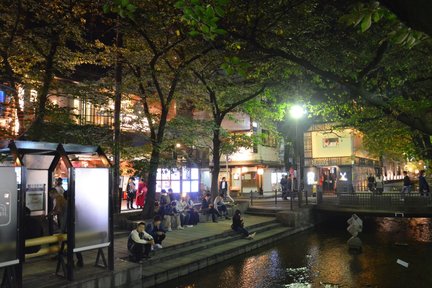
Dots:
(45, 240)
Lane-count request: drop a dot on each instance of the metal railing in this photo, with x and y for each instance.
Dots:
(385, 200)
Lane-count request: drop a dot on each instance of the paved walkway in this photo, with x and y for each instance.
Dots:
(39, 272)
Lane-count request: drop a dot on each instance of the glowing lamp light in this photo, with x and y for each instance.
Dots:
(178, 145)
(297, 111)
(260, 171)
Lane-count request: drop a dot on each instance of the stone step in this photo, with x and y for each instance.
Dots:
(168, 254)
(262, 211)
(159, 273)
(218, 236)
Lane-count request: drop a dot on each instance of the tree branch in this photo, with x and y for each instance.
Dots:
(244, 100)
(377, 59)
(211, 93)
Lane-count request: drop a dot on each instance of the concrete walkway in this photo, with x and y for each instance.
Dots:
(39, 272)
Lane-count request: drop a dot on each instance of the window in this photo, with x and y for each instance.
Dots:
(268, 139)
(184, 180)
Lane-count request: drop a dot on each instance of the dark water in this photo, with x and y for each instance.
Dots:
(319, 258)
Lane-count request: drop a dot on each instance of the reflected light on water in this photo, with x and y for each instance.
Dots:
(255, 270)
(407, 229)
(320, 258)
(420, 229)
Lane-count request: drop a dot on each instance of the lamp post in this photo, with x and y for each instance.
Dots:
(297, 112)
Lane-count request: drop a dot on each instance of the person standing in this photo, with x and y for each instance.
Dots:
(80, 261)
(290, 186)
(371, 183)
(406, 184)
(423, 185)
(58, 186)
(379, 182)
(141, 193)
(139, 243)
(131, 193)
(59, 208)
(284, 187)
(223, 187)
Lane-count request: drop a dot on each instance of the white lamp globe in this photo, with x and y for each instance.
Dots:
(297, 111)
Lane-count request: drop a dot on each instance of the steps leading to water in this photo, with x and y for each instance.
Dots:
(197, 256)
(205, 243)
(170, 262)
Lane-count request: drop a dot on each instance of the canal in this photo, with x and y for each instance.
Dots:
(320, 258)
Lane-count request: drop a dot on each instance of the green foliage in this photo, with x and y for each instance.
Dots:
(364, 14)
(202, 17)
(123, 8)
(233, 65)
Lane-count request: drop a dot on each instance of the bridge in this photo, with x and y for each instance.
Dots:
(387, 204)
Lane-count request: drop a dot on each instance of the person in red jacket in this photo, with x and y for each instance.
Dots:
(141, 193)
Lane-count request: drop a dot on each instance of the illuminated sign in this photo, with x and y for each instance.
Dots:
(310, 176)
(343, 176)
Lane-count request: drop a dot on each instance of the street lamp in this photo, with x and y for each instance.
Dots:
(297, 112)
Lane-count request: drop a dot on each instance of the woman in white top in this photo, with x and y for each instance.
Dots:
(220, 205)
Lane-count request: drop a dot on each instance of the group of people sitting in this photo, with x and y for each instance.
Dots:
(171, 213)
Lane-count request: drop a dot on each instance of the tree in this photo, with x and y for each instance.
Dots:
(368, 69)
(41, 39)
(228, 87)
(157, 52)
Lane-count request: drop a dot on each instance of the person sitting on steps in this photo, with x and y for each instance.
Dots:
(156, 231)
(139, 244)
(208, 209)
(238, 225)
(220, 206)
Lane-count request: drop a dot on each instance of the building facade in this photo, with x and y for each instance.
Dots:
(255, 169)
(336, 161)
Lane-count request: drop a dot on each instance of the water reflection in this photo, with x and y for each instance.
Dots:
(321, 258)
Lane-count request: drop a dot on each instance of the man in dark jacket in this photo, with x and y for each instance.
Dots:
(156, 231)
(284, 187)
(223, 187)
(423, 185)
(406, 184)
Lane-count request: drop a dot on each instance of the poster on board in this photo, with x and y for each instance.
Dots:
(35, 197)
(8, 216)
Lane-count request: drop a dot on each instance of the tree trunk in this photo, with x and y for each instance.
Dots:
(148, 209)
(216, 162)
(38, 124)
